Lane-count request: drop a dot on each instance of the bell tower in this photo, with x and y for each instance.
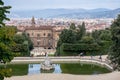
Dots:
(33, 21)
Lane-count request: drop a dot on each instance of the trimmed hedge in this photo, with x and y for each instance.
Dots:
(67, 49)
(80, 47)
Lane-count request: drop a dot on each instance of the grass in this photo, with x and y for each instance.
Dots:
(77, 68)
(18, 69)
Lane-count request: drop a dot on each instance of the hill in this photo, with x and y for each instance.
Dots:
(67, 13)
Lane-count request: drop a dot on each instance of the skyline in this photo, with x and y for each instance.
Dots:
(19, 5)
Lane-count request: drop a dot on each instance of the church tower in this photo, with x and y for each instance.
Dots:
(33, 22)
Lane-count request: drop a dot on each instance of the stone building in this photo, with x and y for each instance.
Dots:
(42, 36)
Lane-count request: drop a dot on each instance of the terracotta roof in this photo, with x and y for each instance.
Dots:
(57, 30)
(40, 28)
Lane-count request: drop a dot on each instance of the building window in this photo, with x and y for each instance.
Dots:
(38, 35)
(49, 34)
(44, 34)
(28, 34)
(32, 34)
(38, 43)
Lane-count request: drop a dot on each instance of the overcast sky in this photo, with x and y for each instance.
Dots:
(71, 4)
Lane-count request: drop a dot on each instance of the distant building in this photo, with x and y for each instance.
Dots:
(42, 36)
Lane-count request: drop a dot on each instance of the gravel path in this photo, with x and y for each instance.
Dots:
(109, 76)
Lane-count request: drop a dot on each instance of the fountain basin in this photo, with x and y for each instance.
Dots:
(59, 68)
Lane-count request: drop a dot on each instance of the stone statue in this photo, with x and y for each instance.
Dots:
(47, 65)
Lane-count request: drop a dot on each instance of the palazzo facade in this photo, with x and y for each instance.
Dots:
(43, 36)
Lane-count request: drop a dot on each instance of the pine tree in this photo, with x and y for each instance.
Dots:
(3, 11)
(115, 48)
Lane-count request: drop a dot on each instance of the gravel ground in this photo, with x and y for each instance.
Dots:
(109, 76)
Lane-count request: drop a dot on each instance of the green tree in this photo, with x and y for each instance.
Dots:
(18, 38)
(72, 26)
(96, 35)
(115, 48)
(105, 35)
(6, 53)
(3, 11)
(87, 40)
(103, 39)
(6, 41)
(30, 43)
(23, 45)
(81, 31)
(5, 73)
(66, 36)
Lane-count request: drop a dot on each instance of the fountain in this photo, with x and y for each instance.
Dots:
(47, 65)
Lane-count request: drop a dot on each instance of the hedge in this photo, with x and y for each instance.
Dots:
(80, 47)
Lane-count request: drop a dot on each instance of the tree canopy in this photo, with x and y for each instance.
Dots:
(3, 11)
(78, 35)
(6, 41)
(23, 45)
(6, 52)
(115, 48)
(72, 26)
(67, 36)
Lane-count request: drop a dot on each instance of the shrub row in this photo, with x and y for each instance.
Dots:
(80, 47)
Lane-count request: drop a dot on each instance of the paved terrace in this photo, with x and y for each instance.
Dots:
(59, 59)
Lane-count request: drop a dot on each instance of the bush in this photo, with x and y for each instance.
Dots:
(75, 49)
(80, 47)
(5, 73)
